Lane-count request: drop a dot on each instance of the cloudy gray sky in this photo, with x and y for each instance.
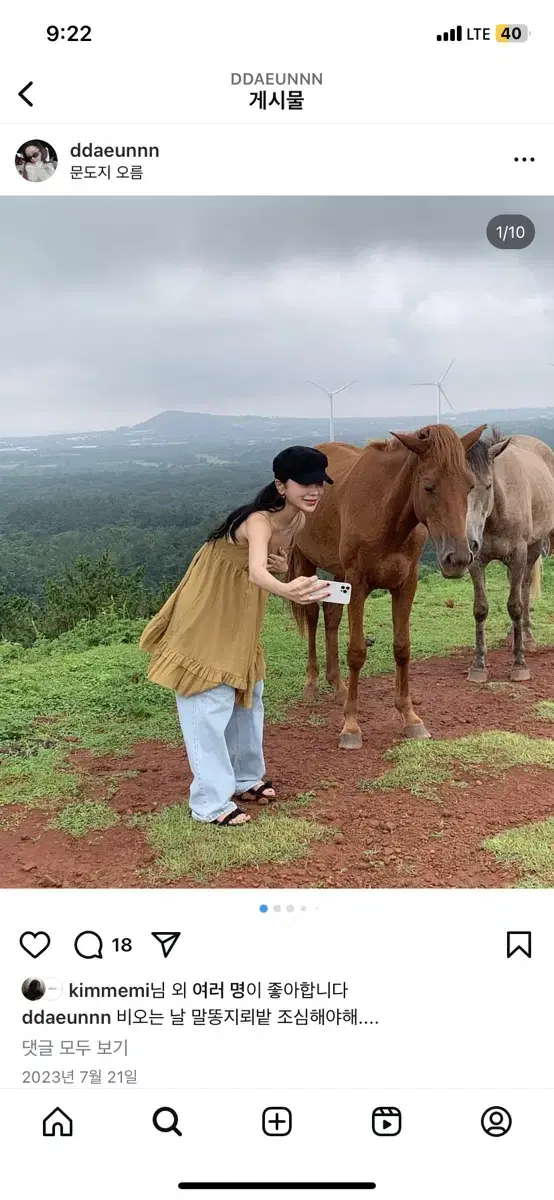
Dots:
(114, 309)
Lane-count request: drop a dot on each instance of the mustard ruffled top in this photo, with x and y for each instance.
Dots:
(208, 631)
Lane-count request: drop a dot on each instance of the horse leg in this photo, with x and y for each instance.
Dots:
(351, 734)
(312, 669)
(533, 557)
(332, 615)
(516, 570)
(402, 600)
(478, 670)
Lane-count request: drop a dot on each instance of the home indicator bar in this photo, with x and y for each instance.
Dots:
(304, 1187)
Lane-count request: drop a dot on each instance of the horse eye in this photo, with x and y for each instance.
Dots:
(428, 487)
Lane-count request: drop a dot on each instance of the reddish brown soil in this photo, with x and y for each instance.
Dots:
(396, 826)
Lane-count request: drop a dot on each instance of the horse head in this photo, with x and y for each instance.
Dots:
(442, 483)
(481, 498)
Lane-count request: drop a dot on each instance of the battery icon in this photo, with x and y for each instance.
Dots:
(511, 33)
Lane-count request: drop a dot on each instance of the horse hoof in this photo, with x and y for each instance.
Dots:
(520, 674)
(530, 645)
(350, 741)
(477, 675)
(416, 731)
(310, 692)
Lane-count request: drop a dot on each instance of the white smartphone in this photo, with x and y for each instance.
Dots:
(340, 593)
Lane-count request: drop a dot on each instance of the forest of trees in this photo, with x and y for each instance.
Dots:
(70, 549)
(74, 546)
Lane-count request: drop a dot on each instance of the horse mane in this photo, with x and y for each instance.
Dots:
(478, 456)
(444, 443)
(495, 437)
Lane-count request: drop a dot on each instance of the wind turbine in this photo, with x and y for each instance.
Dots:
(437, 383)
(331, 396)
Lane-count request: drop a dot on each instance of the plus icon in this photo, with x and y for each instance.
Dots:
(277, 1122)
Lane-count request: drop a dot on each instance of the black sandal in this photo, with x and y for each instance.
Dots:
(257, 792)
(229, 818)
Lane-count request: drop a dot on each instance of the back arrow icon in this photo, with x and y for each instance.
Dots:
(23, 96)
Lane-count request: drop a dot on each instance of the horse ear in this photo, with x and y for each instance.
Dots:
(497, 449)
(418, 443)
(469, 439)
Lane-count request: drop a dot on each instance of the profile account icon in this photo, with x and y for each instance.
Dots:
(496, 1121)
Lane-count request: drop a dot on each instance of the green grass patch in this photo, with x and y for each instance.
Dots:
(39, 780)
(99, 695)
(303, 799)
(530, 849)
(422, 767)
(187, 847)
(545, 709)
(83, 818)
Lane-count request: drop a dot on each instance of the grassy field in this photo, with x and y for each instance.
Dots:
(88, 690)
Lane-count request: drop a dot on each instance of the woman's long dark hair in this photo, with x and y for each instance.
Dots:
(268, 500)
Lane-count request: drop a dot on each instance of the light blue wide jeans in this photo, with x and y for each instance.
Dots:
(224, 744)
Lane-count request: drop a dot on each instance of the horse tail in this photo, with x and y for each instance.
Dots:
(299, 565)
(535, 590)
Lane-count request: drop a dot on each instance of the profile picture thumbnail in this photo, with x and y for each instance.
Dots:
(36, 160)
(33, 989)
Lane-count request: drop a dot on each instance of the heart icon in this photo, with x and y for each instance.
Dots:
(34, 943)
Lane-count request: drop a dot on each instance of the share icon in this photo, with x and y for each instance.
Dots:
(167, 941)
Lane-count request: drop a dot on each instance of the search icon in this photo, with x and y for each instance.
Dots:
(172, 1128)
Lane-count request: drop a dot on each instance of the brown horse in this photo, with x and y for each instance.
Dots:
(510, 520)
(369, 529)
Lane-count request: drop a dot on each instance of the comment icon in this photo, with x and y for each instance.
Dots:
(88, 944)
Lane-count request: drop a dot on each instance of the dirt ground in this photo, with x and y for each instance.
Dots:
(396, 826)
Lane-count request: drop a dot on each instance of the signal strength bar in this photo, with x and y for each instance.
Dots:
(451, 35)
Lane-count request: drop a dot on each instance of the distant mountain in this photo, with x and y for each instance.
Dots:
(173, 423)
(172, 426)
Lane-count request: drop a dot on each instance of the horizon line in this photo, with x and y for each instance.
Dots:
(273, 417)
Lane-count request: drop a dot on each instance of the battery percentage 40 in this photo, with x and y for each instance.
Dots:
(511, 33)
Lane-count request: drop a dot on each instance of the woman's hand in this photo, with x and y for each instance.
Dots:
(277, 564)
(307, 590)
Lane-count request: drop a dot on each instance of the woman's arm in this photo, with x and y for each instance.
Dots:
(257, 530)
(303, 590)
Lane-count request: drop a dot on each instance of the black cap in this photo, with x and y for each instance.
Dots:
(303, 464)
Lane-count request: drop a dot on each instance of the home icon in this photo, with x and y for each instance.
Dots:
(57, 1123)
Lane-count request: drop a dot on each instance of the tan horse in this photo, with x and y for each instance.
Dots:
(510, 520)
(369, 529)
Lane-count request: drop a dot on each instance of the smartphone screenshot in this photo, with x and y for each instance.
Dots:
(276, 601)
